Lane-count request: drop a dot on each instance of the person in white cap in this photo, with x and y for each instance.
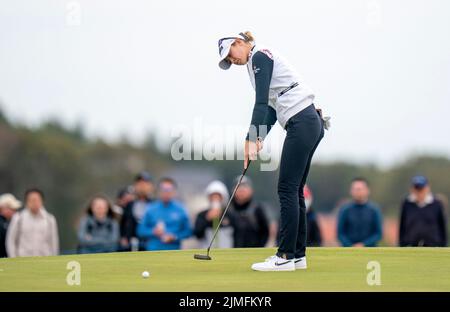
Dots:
(207, 220)
(280, 94)
(9, 205)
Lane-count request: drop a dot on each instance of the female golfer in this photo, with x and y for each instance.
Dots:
(281, 95)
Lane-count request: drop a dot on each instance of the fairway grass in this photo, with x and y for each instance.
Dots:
(329, 269)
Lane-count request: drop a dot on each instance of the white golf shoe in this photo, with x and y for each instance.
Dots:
(274, 263)
(300, 263)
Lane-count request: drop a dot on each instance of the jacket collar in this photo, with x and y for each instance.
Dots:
(42, 213)
(428, 199)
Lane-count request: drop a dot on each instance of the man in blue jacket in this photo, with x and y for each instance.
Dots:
(360, 221)
(165, 223)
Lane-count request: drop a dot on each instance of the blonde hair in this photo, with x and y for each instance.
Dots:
(248, 35)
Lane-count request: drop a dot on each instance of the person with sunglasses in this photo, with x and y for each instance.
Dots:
(280, 94)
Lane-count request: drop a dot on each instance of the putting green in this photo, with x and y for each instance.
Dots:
(329, 269)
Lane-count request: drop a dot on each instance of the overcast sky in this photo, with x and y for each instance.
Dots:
(381, 69)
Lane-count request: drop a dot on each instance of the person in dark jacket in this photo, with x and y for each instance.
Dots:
(208, 220)
(135, 211)
(9, 205)
(248, 217)
(98, 230)
(360, 221)
(124, 196)
(422, 219)
(313, 236)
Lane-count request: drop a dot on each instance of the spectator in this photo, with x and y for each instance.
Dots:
(249, 217)
(313, 236)
(98, 230)
(33, 231)
(8, 207)
(165, 223)
(124, 196)
(360, 221)
(134, 212)
(422, 219)
(207, 221)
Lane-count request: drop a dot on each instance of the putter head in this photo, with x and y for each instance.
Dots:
(202, 257)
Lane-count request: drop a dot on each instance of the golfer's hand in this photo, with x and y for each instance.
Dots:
(251, 150)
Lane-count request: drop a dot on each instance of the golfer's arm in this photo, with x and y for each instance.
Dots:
(263, 66)
(271, 118)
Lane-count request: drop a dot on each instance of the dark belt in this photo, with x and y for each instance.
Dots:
(292, 86)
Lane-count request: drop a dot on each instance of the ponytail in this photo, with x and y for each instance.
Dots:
(248, 37)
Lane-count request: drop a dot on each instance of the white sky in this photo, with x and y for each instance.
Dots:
(380, 68)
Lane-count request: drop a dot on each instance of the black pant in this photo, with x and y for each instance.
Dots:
(304, 133)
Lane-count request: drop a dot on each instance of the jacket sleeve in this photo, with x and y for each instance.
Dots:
(341, 228)
(442, 225)
(402, 230)
(115, 234)
(126, 223)
(146, 227)
(263, 224)
(201, 224)
(378, 229)
(185, 230)
(54, 237)
(263, 68)
(314, 238)
(12, 236)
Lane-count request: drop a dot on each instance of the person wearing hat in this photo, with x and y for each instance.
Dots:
(252, 227)
(280, 95)
(134, 211)
(422, 218)
(9, 205)
(207, 220)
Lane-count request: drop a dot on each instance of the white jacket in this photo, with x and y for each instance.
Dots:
(32, 234)
(283, 76)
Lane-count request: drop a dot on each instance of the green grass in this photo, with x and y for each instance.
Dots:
(330, 269)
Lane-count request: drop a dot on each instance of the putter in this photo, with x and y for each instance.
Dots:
(207, 257)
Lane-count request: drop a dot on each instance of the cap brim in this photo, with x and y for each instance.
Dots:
(224, 64)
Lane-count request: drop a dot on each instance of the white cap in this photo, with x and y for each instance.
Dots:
(10, 201)
(224, 49)
(219, 188)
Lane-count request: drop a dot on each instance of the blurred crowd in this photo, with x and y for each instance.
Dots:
(148, 215)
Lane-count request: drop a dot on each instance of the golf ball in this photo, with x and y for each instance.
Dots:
(145, 274)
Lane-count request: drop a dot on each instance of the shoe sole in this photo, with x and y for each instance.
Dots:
(275, 270)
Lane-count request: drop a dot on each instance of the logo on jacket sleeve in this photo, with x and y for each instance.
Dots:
(267, 52)
(256, 69)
